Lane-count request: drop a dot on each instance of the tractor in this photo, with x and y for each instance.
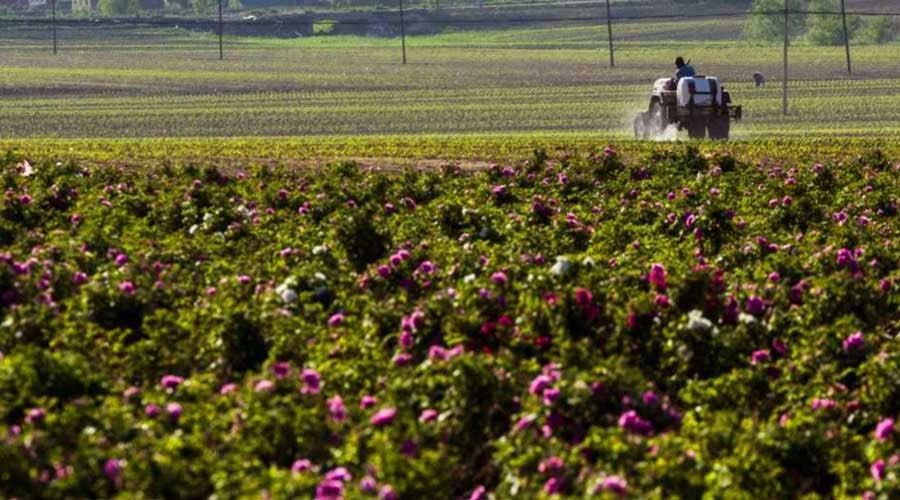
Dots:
(699, 104)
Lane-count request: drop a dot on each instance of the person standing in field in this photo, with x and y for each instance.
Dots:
(683, 69)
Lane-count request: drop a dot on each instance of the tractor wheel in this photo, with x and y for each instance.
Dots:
(719, 127)
(641, 126)
(696, 129)
(655, 123)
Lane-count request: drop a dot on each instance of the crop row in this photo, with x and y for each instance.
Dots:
(417, 150)
(601, 109)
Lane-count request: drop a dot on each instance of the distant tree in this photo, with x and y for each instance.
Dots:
(81, 7)
(204, 7)
(880, 30)
(767, 22)
(118, 7)
(176, 5)
(829, 29)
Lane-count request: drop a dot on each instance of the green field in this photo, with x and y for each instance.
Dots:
(169, 83)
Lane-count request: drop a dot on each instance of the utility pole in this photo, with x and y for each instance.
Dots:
(402, 33)
(784, 83)
(846, 36)
(612, 59)
(221, 52)
(53, 23)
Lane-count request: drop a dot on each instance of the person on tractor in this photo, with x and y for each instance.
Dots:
(683, 69)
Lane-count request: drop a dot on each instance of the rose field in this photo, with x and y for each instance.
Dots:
(633, 320)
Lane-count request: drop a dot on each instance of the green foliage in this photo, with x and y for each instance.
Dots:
(118, 7)
(176, 5)
(766, 22)
(205, 7)
(323, 28)
(880, 30)
(829, 29)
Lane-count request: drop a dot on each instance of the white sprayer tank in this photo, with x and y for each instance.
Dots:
(705, 90)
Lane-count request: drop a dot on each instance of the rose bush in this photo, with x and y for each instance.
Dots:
(670, 324)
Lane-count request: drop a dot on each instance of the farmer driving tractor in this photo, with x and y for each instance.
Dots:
(683, 69)
(700, 104)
